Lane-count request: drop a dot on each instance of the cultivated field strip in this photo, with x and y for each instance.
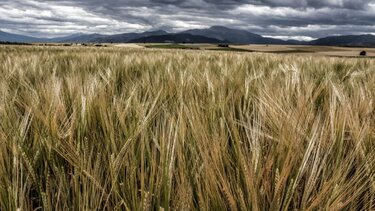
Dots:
(142, 129)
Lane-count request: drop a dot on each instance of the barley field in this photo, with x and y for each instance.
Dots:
(145, 129)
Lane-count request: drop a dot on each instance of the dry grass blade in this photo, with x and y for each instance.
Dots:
(142, 129)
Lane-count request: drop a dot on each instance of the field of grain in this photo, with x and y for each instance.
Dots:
(331, 51)
(142, 129)
(305, 50)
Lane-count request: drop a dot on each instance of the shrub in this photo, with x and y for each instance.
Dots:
(223, 45)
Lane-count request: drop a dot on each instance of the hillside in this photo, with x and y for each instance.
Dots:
(214, 34)
(126, 37)
(234, 35)
(83, 38)
(177, 38)
(349, 40)
(9, 37)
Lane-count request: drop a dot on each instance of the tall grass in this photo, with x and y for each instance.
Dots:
(117, 129)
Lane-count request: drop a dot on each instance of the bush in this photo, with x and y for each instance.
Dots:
(223, 45)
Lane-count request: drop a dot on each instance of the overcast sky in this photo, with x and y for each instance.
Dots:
(302, 19)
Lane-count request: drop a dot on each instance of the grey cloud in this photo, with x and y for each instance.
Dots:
(228, 4)
(349, 4)
(314, 18)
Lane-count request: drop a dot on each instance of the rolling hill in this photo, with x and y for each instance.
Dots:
(177, 38)
(126, 37)
(348, 40)
(79, 37)
(62, 39)
(214, 34)
(234, 35)
(8, 37)
(83, 38)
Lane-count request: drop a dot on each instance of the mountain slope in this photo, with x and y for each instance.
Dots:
(79, 37)
(234, 35)
(84, 38)
(176, 38)
(61, 39)
(126, 37)
(8, 37)
(215, 34)
(347, 40)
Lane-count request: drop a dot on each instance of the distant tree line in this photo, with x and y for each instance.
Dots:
(13, 43)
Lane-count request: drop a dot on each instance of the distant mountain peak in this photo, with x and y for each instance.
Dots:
(126, 37)
(237, 36)
(213, 34)
(77, 34)
(157, 31)
(224, 28)
(365, 40)
(218, 27)
(176, 38)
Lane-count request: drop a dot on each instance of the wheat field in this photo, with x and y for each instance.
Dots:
(142, 129)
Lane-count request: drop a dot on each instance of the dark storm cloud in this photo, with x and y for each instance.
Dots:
(349, 4)
(287, 18)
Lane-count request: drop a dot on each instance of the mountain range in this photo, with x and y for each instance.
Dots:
(215, 34)
(234, 35)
